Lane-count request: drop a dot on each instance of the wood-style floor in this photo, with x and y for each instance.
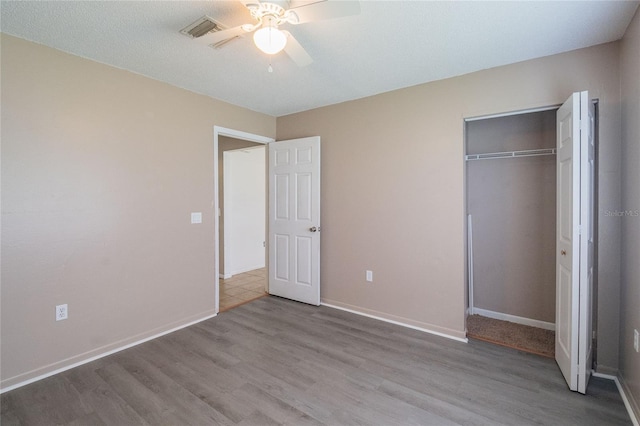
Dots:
(274, 361)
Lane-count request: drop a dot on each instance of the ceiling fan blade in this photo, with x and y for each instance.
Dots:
(218, 36)
(296, 52)
(327, 9)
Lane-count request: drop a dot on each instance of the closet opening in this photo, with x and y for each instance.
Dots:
(510, 173)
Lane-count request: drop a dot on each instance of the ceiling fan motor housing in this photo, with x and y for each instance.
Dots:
(278, 13)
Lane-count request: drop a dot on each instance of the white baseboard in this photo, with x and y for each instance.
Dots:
(513, 318)
(225, 276)
(377, 316)
(93, 357)
(623, 395)
(605, 371)
(242, 270)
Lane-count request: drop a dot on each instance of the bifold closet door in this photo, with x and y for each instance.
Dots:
(575, 248)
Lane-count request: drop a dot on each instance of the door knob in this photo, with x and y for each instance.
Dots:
(563, 252)
(313, 229)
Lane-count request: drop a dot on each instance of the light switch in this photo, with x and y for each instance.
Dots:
(196, 217)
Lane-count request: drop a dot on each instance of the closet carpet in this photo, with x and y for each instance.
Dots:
(522, 337)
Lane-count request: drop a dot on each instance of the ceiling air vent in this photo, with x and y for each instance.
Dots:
(201, 27)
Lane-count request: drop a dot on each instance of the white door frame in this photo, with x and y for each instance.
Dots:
(236, 134)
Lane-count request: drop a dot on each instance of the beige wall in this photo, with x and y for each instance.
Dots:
(630, 306)
(393, 186)
(512, 202)
(226, 144)
(101, 169)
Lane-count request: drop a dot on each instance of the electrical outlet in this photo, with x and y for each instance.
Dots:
(62, 312)
(636, 340)
(369, 276)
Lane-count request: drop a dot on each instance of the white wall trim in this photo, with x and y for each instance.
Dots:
(623, 395)
(225, 276)
(513, 318)
(510, 113)
(237, 134)
(470, 260)
(243, 270)
(400, 323)
(94, 357)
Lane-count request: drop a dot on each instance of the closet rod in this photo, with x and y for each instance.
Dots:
(511, 154)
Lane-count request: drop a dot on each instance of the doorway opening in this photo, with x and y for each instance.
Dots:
(511, 213)
(510, 189)
(242, 199)
(240, 221)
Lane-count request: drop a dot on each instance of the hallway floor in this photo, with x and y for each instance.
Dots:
(242, 288)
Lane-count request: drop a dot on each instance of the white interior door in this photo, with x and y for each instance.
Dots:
(574, 230)
(294, 219)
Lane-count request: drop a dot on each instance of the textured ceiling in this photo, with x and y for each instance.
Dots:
(390, 45)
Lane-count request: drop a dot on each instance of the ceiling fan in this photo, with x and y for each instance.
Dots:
(269, 16)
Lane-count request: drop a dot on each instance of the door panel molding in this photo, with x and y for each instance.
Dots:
(294, 219)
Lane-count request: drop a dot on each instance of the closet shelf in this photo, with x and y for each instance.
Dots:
(510, 154)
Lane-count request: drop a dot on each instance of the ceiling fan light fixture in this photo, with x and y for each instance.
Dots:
(270, 39)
